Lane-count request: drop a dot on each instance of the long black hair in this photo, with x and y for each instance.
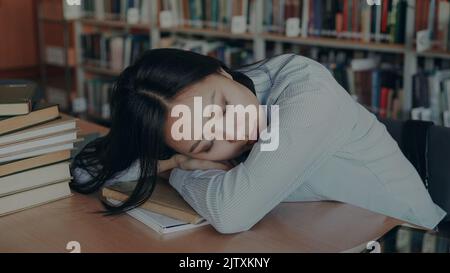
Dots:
(139, 102)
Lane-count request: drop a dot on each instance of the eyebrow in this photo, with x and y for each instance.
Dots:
(195, 145)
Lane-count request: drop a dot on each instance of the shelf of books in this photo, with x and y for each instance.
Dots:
(431, 83)
(114, 24)
(387, 44)
(58, 57)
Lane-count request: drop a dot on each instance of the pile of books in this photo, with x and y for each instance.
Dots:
(165, 211)
(35, 148)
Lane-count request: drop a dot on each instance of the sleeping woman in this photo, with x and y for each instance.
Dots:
(329, 147)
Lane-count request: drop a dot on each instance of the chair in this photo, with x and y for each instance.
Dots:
(428, 148)
(439, 166)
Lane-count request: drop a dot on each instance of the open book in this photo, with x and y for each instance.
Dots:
(160, 223)
(165, 200)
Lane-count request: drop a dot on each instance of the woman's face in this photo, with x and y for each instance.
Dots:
(217, 89)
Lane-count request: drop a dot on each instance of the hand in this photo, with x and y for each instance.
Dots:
(192, 164)
(165, 166)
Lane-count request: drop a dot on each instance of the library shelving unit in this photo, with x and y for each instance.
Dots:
(57, 53)
(259, 39)
(438, 54)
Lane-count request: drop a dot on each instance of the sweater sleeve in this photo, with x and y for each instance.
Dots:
(234, 201)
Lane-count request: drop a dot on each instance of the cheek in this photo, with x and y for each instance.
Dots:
(181, 147)
(240, 95)
(223, 150)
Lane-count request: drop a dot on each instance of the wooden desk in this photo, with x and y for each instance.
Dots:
(290, 227)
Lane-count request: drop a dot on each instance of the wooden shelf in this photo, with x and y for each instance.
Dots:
(337, 43)
(441, 54)
(113, 23)
(70, 66)
(209, 33)
(100, 70)
(55, 20)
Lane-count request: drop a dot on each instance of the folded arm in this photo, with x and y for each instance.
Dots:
(164, 169)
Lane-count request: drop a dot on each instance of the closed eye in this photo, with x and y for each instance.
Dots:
(205, 147)
(209, 147)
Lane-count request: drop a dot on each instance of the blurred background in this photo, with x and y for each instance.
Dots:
(392, 57)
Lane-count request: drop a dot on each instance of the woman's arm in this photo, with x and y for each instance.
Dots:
(187, 163)
(164, 169)
(133, 172)
(310, 131)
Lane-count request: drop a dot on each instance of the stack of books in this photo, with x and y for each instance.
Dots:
(165, 211)
(35, 147)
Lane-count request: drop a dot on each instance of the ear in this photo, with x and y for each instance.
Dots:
(226, 74)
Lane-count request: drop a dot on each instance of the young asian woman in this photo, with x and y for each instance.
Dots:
(329, 148)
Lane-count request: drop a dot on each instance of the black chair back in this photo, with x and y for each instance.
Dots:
(439, 166)
(427, 147)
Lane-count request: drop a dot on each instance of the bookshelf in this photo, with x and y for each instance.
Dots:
(57, 53)
(101, 71)
(256, 34)
(113, 24)
(437, 54)
(214, 33)
(334, 43)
